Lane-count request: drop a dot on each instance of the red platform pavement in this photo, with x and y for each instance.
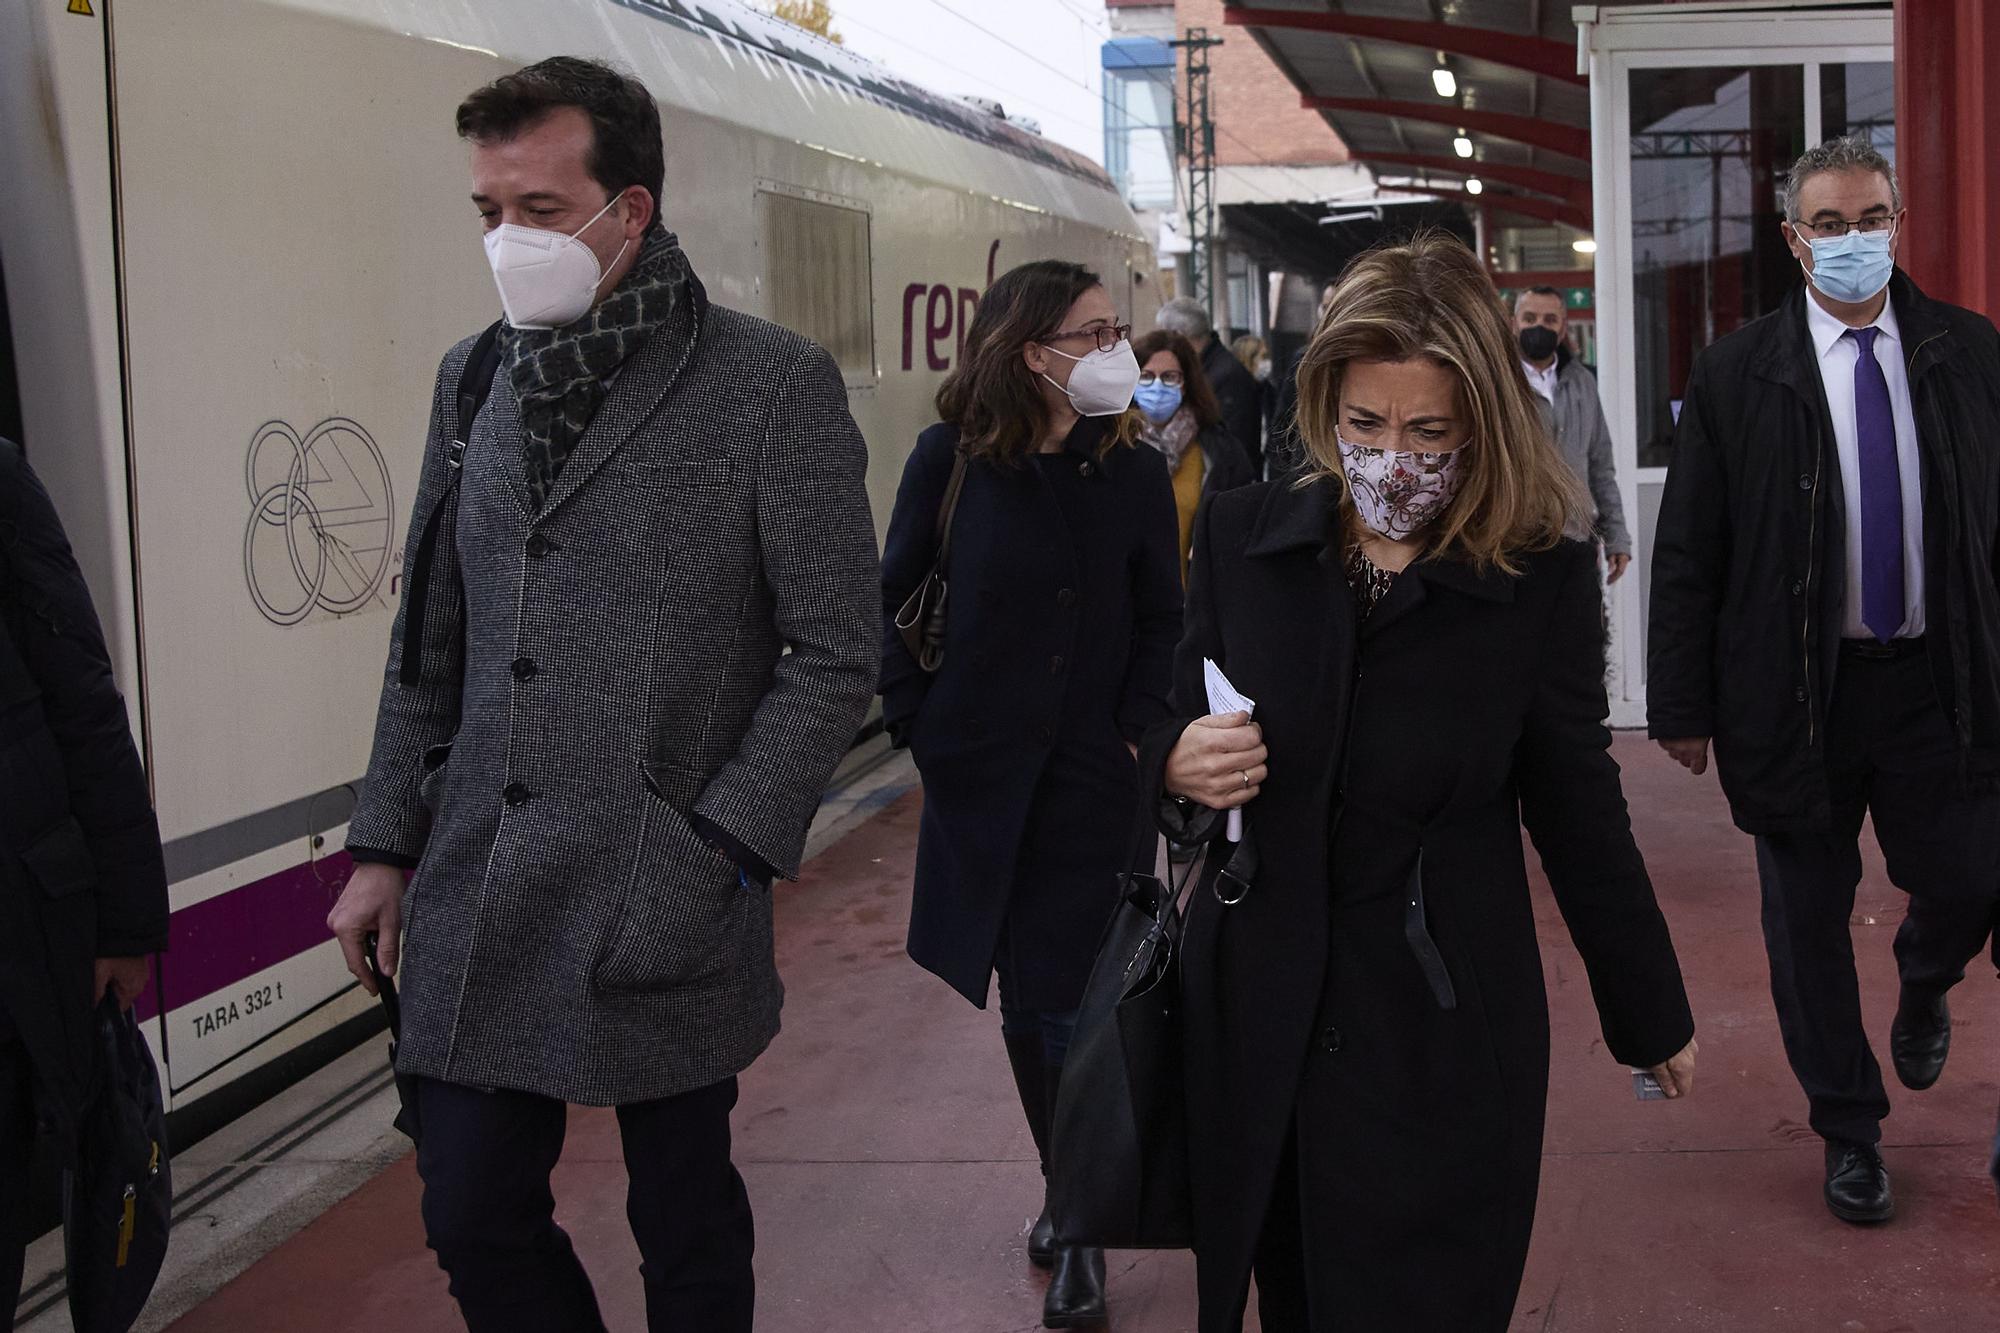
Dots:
(893, 1179)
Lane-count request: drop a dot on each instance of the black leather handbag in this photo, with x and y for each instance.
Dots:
(1118, 1168)
(920, 620)
(118, 1198)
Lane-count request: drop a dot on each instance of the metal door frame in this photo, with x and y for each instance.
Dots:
(1611, 44)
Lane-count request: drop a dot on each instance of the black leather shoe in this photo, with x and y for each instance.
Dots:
(1857, 1184)
(1042, 1241)
(1076, 1292)
(1919, 1039)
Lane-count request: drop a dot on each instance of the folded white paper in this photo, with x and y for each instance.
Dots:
(1225, 698)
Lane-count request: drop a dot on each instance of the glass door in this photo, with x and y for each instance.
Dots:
(1697, 119)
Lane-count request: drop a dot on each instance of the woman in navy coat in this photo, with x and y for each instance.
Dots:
(1366, 1029)
(1064, 608)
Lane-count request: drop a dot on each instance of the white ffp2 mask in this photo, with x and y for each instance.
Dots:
(1102, 383)
(546, 279)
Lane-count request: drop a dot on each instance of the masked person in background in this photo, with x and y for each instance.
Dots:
(1064, 608)
(1826, 610)
(1582, 433)
(1239, 395)
(613, 699)
(1180, 418)
(1366, 1025)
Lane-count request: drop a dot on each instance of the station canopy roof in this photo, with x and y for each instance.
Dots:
(1371, 68)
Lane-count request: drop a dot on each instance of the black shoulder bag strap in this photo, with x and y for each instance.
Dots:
(475, 381)
(920, 620)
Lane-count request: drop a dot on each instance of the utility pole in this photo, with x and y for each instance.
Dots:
(1196, 137)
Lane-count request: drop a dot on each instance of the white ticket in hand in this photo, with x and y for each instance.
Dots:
(1224, 698)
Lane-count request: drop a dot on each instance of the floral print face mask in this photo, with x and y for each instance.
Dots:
(1398, 494)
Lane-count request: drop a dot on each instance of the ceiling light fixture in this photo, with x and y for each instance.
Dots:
(1475, 186)
(1585, 246)
(1462, 145)
(1444, 81)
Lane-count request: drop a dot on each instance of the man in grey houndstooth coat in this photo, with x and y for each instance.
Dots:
(642, 633)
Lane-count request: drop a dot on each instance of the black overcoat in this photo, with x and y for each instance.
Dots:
(1405, 757)
(1064, 609)
(1240, 397)
(1749, 559)
(81, 872)
(1228, 465)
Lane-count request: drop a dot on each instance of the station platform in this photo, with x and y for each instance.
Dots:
(894, 1181)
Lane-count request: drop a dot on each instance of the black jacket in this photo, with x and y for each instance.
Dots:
(1749, 561)
(81, 873)
(1241, 398)
(1406, 754)
(1064, 609)
(1286, 451)
(1227, 465)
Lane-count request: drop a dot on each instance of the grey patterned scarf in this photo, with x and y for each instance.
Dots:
(1171, 437)
(559, 374)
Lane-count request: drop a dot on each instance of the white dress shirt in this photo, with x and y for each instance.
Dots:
(1837, 357)
(1543, 382)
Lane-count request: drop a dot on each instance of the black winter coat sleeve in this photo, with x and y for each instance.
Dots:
(1200, 638)
(1690, 571)
(908, 552)
(58, 636)
(1156, 611)
(1574, 809)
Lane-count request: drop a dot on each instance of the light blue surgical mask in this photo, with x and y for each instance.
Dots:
(1159, 401)
(1852, 268)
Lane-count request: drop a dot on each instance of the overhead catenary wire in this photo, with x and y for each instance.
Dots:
(1009, 95)
(1065, 75)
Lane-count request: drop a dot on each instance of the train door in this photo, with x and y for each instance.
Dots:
(295, 260)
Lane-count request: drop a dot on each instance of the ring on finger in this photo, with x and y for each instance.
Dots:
(1246, 779)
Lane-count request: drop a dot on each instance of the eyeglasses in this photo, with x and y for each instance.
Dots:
(1872, 225)
(1108, 336)
(1173, 379)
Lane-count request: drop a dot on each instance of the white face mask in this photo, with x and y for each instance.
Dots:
(546, 279)
(1102, 383)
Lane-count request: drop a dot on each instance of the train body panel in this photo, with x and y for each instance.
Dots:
(297, 253)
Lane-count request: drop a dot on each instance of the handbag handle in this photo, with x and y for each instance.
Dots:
(949, 507)
(920, 620)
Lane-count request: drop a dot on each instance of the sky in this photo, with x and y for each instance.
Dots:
(1038, 58)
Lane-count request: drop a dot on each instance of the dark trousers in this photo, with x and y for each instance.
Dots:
(489, 1213)
(17, 1144)
(1890, 756)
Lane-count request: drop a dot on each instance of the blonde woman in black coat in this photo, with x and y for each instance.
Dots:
(1367, 1030)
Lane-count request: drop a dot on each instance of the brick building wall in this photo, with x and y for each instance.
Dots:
(1257, 113)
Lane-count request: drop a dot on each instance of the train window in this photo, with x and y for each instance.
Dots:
(817, 278)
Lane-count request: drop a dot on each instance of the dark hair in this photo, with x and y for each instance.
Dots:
(1195, 392)
(991, 395)
(625, 148)
(1543, 289)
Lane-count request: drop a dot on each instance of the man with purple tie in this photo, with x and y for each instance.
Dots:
(1826, 610)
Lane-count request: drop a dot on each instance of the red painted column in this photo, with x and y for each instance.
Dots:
(1947, 142)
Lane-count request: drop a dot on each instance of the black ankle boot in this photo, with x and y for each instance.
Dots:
(1042, 1240)
(1076, 1291)
(1031, 1081)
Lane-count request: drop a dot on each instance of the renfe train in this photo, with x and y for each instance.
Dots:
(235, 239)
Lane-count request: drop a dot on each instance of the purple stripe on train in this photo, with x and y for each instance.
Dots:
(220, 941)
